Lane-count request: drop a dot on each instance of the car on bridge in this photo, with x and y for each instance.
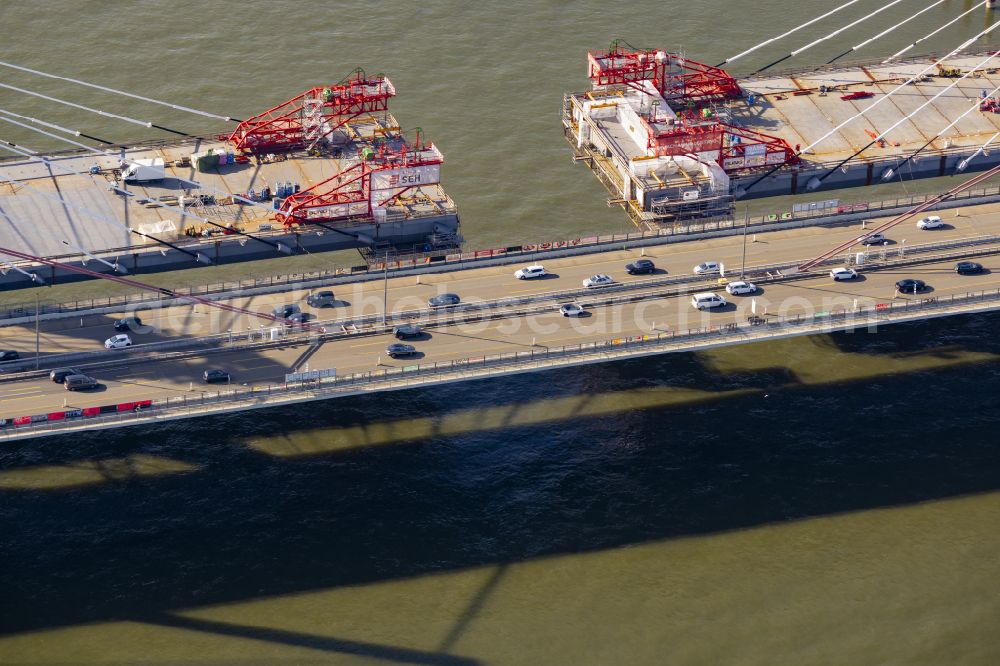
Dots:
(118, 342)
(299, 318)
(397, 349)
(59, 374)
(838, 274)
(215, 376)
(968, 268)
(875, 239)
(911, 286)
(128, 324)
(571, 310)
(599, 280)
(932, 222)
(640, 266)
(444, 300)
(321, 299)
(79, 383)
(740, 288)
(707, 268)
(406, 331)
(530, 272)
(9, 355)
(708, 300)
(286, 311)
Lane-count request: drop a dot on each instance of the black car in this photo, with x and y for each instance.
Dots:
(59, 374)
(299, 317)
(909, 286)
(640, 266)
(215, 375)
(285, 311)
(321, 299)
(9, 355)
(405, 331)
(397, 349)
(444, 299)
(875, 239)
(968, 268)
(128, 324)
(79, 383)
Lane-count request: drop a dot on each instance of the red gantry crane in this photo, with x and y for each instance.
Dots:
(687, 86)
(312, 116)
(673, 76)
(380, 176)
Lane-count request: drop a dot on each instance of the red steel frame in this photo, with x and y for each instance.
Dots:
(352, 185)
(698, 83)
(774, 146)
(284, 126)
(708, 137)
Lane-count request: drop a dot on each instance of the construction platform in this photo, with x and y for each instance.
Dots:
(107, 217)
(629, 132)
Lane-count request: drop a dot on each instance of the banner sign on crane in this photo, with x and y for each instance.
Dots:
(394, 179)
(337, 210)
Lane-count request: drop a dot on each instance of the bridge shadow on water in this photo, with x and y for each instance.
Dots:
(383, 487)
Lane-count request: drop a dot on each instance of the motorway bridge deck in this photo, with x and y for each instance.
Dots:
(644, 307)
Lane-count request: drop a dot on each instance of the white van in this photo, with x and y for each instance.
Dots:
(707, 300)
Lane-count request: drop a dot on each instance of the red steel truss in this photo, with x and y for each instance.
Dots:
(737, 147)
(349, 193)
(674, 77)
(313, 115)
(744, 154)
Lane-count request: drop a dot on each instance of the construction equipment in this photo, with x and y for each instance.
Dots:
(313, 116)
(876, 137)
(948, 72)
(367, 185)
(684, 92)
(861, 94)
(673, 76)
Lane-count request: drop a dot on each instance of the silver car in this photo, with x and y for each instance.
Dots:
(706, 268)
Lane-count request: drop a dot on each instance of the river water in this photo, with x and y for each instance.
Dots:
(824, 500)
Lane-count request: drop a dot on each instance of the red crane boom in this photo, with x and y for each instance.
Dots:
(313, 115)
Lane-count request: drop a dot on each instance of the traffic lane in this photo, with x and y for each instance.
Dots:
(873, 285)
(447, 343)
(60, 336)
(495, 282)
(201, 320)
(151, 380)
(490, 283)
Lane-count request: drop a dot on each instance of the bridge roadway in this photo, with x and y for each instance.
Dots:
(145, 379)
(489, 283)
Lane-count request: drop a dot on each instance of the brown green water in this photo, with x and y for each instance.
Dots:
(823, 501)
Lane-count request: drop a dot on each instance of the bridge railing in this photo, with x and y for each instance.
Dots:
(755, 329)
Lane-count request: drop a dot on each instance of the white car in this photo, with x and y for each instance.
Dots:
(706, 268)
(529, 272)
(932, 222)
(118, 342)
(571, 310)
(707, 300)
(740, 288)
(598, 281)
(843, 274)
